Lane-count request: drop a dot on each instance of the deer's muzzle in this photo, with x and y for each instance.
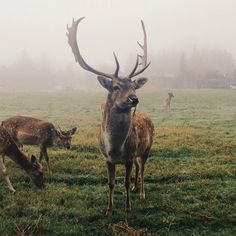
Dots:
(133, 100)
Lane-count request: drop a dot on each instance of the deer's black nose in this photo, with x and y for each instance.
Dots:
(133, 100)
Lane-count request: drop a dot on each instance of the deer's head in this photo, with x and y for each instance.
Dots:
(63, 138)
(122, 90)
(36, 172)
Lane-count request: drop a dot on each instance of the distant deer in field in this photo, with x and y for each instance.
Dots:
(9, 148)
(125, 137)
(167, 100)
(31, 131)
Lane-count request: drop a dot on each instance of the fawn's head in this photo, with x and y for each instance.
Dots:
(36, 172)
(63, 138)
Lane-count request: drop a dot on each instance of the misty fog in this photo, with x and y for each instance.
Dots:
(191, 44)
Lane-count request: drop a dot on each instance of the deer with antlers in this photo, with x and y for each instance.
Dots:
(9, 148)
(125, 137)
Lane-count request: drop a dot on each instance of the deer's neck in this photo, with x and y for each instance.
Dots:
(115, 128)
(17, 156)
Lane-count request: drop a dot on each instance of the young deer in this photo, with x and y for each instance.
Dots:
(31, 131)
(9, 148)
(125, 137)
(167, 100)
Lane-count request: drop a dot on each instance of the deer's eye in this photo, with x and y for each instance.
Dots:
(116, 88)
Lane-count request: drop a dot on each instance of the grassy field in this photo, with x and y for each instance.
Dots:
(190, 174)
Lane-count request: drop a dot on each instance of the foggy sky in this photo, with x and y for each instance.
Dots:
(39, 27)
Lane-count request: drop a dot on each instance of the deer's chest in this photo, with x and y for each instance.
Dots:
(116, 150)
(114, 133)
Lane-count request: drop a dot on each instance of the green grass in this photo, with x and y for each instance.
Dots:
(190, 174)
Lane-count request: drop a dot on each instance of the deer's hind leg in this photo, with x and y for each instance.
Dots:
(143, 160)
(3, 158)
(3, 169)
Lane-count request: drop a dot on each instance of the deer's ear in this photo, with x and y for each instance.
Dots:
(57, 133)
(61, 132)
(105, 82)
(138, 83)
(72, 132)
(34, 161)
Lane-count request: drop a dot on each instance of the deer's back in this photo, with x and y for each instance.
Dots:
(28, 130)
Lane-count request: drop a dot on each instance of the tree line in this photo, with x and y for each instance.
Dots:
(169, 69)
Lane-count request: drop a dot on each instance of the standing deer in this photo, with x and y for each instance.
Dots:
(31, 131)
(9, 148)
(167, 100)
(125, 137)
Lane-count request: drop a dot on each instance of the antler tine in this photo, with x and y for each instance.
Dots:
(135, 67)
(143, 57)
(117, 65)
(144, 46)
(142, 70)
(71, 34)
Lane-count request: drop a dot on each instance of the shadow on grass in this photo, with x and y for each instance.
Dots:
(81, 180)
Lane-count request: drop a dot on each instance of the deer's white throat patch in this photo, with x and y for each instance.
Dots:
(115, 154)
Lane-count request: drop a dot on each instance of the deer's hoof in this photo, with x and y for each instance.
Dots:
(128, 209)
(109, 213)
(134, 189)
(12, 190)
(142, 196)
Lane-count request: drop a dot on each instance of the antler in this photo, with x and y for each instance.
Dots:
(143, 57)
(71, 34)
(143, 47)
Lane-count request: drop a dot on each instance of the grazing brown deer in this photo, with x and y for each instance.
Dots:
(125, 137)
(9, 148)
(167, 100)
(31, 131)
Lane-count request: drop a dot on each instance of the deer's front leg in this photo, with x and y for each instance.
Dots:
(3, 169)
(128, 168)
(111, 172)
(44, 153)
(136, 175)
(41, 154)
(3, 158)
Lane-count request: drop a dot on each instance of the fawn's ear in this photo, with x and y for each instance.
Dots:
(72, 132)
(57, 132)
(34, 161)
(138, 83)
(105, 82)
(35, 164)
